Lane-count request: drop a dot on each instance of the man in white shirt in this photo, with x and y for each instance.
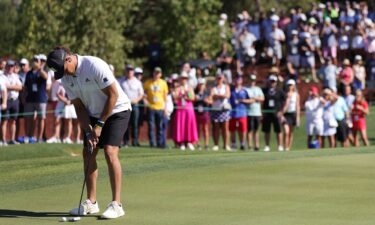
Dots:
(134, 90)
(103, 110)
(314, 116)
(14, 86)
(3, 99)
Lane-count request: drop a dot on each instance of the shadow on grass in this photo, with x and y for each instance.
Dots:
(10, 213)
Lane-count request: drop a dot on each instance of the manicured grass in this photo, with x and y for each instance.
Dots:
(39, 183)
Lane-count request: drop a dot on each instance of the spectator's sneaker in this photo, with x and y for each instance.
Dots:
(266, 149)
(206, 147)
(215, 148)
(86, 207)
(5, 144)
(26, 140)
(52, 140)
(79, 141)
(40, 141)
(242, 148)
(281, 148)
(234, 146)
(114, 210)
(191, 146)
(67, 141)
(32, 140)
(182, 147)
(1, 143)
(13, 142)
(228, 148)
(256, 149)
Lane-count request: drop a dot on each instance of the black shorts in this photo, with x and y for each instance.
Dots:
(342, 131)
(291, 119)
(113, 130)
(11, 112)
(253, 123)
(271, 119)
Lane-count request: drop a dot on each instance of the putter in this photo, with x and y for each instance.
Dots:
(90, 149)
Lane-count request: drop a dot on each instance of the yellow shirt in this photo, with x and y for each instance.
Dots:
(156, 92)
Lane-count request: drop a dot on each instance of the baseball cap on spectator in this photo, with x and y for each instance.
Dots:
(327, 19)
(42, 57)
(302, 17)
(314, 90)
(36, 57)
(240, 16)
(272, 77)
(327, 91)
(358, 58)
(312, 20)
(346, 62)
(291, 82)
(275, 18)
(322, 6)
(253, 77)
(184, 74)
(24, 61)
(138, 70)
(174, 76)
(11, 63)
(56, 60)
(157, 69)
(129, 67)
(201, 80)
(294, 32)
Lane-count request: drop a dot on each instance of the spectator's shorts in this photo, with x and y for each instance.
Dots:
(113, 130)
(307, 62)
(330, 51)
(220, 116)
(294, 60)
(290, 119)
(253, 123)
(65, 111)
(238, 124)
(315, 128)
(342, 131)
(268, 120)
(12, 110)
(202, 117)
(31, 108)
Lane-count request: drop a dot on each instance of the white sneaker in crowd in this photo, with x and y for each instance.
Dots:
(26, 140)
(215, 148)
(52, 140)
(267, 149)
(79, 141)
(281, 148)
(67, 141)
(228, 148)
(114, 210)
(182, 147)
(191, 146)
(86, 207)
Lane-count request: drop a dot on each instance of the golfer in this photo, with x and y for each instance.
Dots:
(103, 110)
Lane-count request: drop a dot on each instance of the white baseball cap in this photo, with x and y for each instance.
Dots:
(272, 77)
(201, 80)
(295, 32)
(24, 61)
(138, 70)
(43, 57)
(174, 76)
(291, 82)
(358, 57)
(184, 74)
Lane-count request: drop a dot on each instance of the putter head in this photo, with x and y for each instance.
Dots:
(74, 219)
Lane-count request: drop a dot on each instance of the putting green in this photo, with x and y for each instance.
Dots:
(40, 183)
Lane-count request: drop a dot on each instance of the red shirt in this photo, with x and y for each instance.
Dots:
(359, 113)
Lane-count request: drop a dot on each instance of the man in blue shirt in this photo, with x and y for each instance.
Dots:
(36, 99)
(341, 112)
(238, 121)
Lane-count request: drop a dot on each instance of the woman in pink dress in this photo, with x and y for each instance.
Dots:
(185, 131)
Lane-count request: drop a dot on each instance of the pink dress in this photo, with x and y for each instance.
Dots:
(185, 125)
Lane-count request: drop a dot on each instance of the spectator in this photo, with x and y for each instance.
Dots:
(277, 36)
(202, 112)
(134, 90)
(329, 120)
(346, 75)
(291, 117)
(25, 67)
(14, 86)
(220, 114)
(3, 100)
(192, 73)
(272, 105)
(329, 41)
(238, 121)
(2, 66)
(344, 43)
(138, 73)
(327, 74)
(341, 112)
(156, 91)
(36, 100)
(359, 73)
(293, 58)
(254, 115)
(314, 117)
(359, 112)
(59, 110)
(169, 109)
(185, 127)
(313, 29)
(306, 50)
(247, 40)
(224, 60)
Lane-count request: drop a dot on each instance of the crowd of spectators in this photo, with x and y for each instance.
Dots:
(330, 44)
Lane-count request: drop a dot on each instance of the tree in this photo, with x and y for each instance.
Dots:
(8, 21)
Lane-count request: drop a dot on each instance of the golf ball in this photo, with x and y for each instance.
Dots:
(63, 219)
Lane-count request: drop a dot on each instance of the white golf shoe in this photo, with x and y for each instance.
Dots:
(267, 149)
(114, 210)
(86, 207)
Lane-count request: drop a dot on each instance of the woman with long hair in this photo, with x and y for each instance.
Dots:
(359, 112)
(201, 112)
(291, 113)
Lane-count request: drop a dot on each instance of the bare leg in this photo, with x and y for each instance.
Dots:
(215, 131)
(92, 173)
(364, 138)
(226, 133)
(256, 139)
(41, 122)
(286, 136)
(12, 124)
(4, 125)
(30, 122)
(355, 135)
(68, 128)
(57, 127)
(114, 170)
(206, 133)
(250, 139)
(279, 139)
(291, 137)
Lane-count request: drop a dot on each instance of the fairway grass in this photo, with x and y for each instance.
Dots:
(40, 183)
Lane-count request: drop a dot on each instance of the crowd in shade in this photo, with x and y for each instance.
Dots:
(329, 48)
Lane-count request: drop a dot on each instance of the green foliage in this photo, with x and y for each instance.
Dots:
(8, 21)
